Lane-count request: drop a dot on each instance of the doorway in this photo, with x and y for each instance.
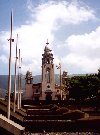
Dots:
(48, 97)
(36, 98)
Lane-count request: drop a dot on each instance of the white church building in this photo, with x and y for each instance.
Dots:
(47, 89)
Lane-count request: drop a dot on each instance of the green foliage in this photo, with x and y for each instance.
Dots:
(84, 86)
(74, 114)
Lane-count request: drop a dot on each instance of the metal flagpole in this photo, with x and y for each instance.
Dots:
(20, 80)
(18, 90)
(59, 67)
(18, 101)
(15, 76)
(60, 81)
(9, 77)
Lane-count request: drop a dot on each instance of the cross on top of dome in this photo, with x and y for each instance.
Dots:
(47, 42)
(47, 50)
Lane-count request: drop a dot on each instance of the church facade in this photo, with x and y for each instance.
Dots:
(47, 89)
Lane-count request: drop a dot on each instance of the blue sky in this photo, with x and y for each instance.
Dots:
(71, 26)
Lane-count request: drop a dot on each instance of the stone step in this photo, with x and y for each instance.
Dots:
(44, 117)
(11, 126)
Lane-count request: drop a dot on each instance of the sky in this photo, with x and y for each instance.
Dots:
(72, 28)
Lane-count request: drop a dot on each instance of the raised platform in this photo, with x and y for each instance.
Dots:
(10, 126)
(36, 117)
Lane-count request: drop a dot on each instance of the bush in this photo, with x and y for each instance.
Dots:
(75, 114)
(62, 110)
(54, 108)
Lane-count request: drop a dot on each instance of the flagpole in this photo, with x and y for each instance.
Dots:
(18, 90)
(15, 76)
(9, 76)
(20, 81)
(18, 101)
(59, 67)
(60, 82)
(19, 78)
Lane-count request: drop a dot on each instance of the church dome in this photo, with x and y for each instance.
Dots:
(47, 50)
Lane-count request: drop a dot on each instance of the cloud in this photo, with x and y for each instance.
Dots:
(46, 18)
(91, 40)
(3, 59)
(84, 51)
(4, 35)
(54, 12)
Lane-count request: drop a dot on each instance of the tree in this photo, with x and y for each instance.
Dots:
(82, 87)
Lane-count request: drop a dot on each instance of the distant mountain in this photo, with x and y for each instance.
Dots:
(36, 79)
(2, 93)
(4, 82)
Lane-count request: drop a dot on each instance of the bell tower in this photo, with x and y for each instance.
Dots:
(29, 77)
(28, 85)
(48, 81)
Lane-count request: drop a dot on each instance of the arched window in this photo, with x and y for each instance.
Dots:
(48, 75)
(48, 61)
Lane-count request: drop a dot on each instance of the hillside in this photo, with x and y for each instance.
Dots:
(4, 82)
(36, 79)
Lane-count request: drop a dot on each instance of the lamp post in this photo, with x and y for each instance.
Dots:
(15, 76)
(9, 76)
(59, 67)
